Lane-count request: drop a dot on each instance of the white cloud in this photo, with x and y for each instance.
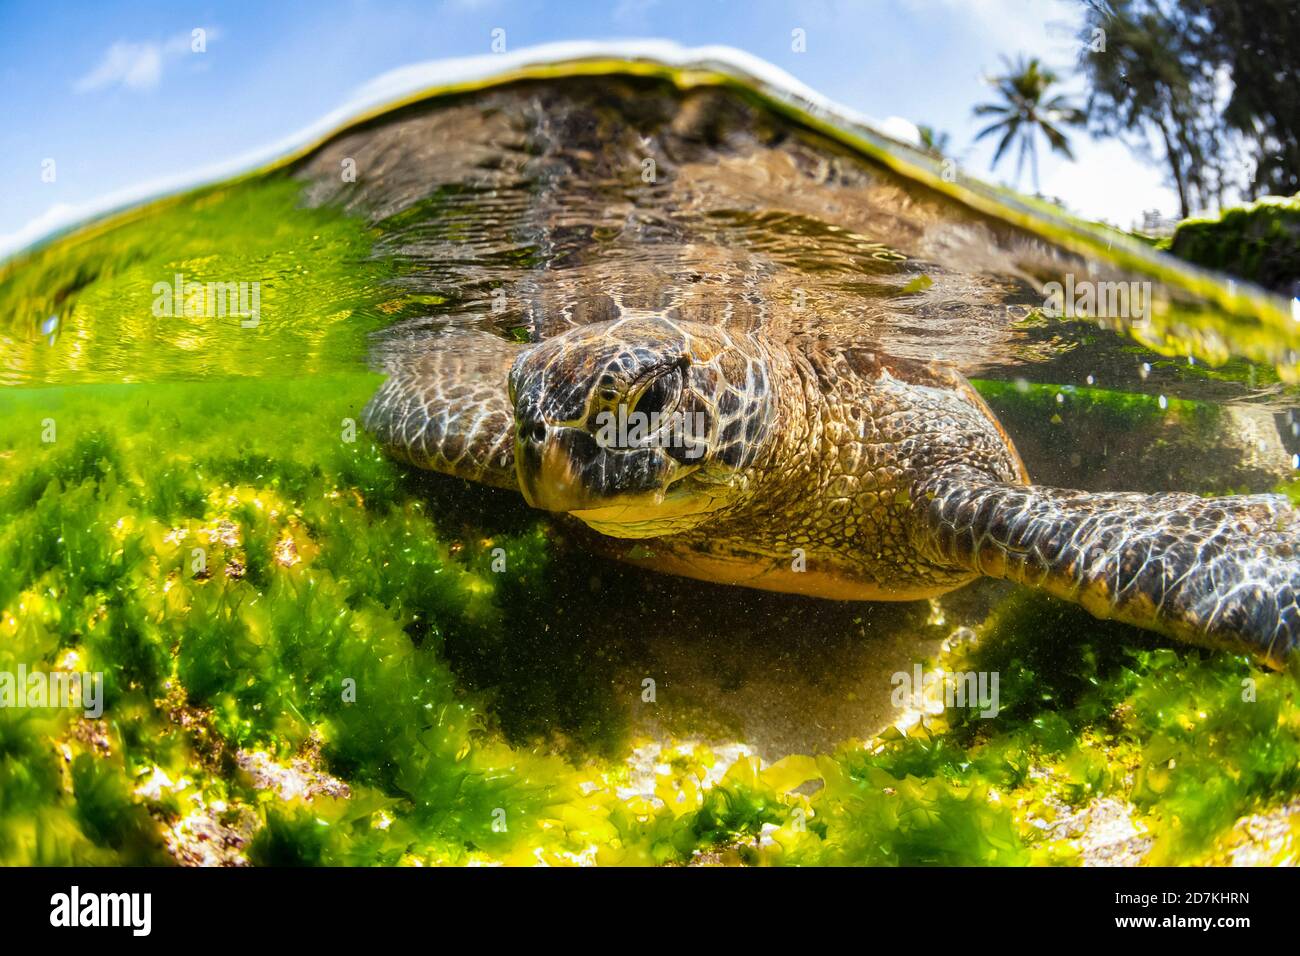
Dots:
(137, 66)
(1044, 28)
(902, 129)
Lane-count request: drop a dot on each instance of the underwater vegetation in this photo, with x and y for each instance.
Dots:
(289, 627)
(97, 287)
(312, 656)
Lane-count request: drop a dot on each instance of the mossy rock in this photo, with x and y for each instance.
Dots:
(1259, 242)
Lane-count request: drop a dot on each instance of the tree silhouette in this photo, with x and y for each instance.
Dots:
(1159, 79)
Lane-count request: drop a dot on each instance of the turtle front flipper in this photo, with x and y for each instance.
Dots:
(445, 405)
(1219, 572)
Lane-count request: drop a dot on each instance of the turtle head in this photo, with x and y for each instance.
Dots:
(639, 426)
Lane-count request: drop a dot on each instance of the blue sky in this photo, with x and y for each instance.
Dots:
(114, 95)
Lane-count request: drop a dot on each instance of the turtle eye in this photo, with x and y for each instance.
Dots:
(607, 388)
(662, 394)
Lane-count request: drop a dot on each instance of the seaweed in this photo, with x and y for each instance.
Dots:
(312, 655)
(372, 631)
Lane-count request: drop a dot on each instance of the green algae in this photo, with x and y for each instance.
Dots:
(318, 291)
(1259, 242)
(326, 564)
(473, 729)
(1113, 411)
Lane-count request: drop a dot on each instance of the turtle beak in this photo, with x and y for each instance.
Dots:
(549, 476)
(562, 468)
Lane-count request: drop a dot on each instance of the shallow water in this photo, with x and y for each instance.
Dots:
(131, 438)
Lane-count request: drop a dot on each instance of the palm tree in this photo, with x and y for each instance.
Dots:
(932, 141)
(1025, 111)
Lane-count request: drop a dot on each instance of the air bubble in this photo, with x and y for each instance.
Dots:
(50, 328)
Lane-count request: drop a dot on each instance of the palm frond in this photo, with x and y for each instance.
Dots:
(1025, 109)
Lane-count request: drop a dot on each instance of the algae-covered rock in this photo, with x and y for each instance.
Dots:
(1259, 242)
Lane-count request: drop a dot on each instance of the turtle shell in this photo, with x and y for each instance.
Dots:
(529, 206)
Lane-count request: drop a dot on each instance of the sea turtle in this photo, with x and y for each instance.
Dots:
(791, 463)
(799, 319)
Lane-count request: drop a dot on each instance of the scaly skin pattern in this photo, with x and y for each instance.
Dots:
(826, 470)
(563, 387)
(826, 503)
(1220, 572)
(813, 449)
(443, 406)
